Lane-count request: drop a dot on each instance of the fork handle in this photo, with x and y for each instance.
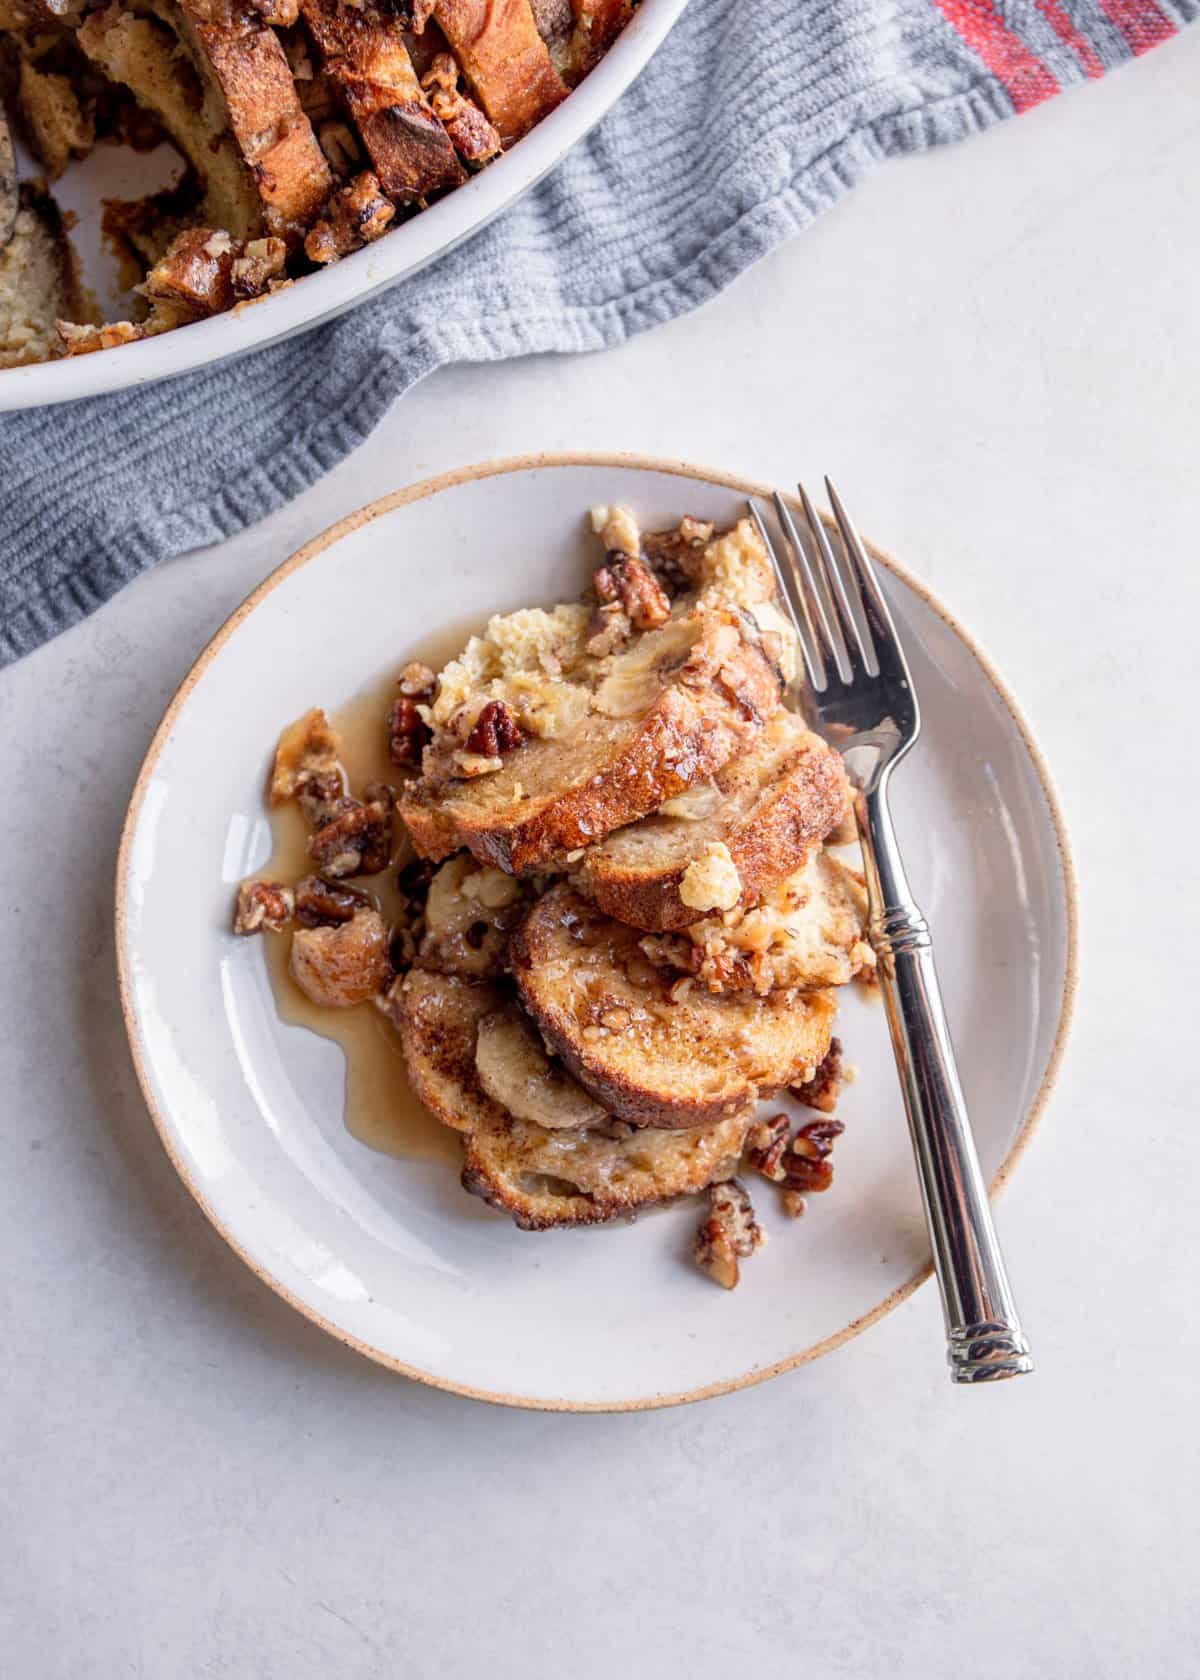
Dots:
(984, 1336)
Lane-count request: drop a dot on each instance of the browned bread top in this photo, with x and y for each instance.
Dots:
(437, 1017)
(365, 55)
(672, 709)
(768, 808)
(654, 1050)
(273, 134)
(504, 59)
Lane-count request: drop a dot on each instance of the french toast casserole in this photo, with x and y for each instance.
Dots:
(305, 129)
(621, 925)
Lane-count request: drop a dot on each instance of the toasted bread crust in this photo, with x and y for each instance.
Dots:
(695, 725)
(551, 1179)
(274, 135)
(365, 55)
(437, 1017)
(774, 804)
(504, 59)
(655, 1053)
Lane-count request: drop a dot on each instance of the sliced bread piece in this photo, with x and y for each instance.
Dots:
(437, 1017)
(225, 95)
(768, 807)
(39, 281)
(242, 55)
(365, 57)
(636, 729)
(505, 61)
(808, 931)
(517, 1072)
(556, 1178)
(654, 1051)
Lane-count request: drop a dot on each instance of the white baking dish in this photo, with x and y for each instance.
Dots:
(348, 282)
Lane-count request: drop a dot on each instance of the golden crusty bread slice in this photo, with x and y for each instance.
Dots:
(504, 59)
(364, 55)
(554, 1178)
(673, 709)
(543, 1177)
(655, 1050)
(768, 807)
(219, 82)
(437, 1017)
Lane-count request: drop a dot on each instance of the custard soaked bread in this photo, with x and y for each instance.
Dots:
(556, 727)
(655, 1049)
(768, 809)
(542, 1174)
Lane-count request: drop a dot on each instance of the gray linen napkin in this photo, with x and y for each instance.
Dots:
(754, 117)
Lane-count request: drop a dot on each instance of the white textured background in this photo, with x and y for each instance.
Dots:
(996, 350)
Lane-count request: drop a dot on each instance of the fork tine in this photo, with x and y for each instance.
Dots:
(794, 599)
(816, 590)
(857, 631)
(888, 648)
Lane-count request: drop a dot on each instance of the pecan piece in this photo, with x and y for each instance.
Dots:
(322, 904)
(417, 681)
(674, 556)
(799, 1163)
(630, 583)
(408, 733)
(355, 215)
(263, 904)
(729, 1232)
(323, 796)
(495, 732)
(358, 841)
(307, 748)
(825, 1086)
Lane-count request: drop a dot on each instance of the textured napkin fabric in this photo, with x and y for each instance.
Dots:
(754, 117)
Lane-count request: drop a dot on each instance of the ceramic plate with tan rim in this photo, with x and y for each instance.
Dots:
(379, 1245)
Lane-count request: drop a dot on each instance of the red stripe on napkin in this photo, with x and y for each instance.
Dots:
(1026, 79)
(1140, 21)
(1067, 33)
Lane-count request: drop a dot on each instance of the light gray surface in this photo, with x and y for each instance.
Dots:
(999, 359)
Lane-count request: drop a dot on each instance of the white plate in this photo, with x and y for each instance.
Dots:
(390, 1256)
(332, 290)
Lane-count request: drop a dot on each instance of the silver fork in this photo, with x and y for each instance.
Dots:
(864, 703)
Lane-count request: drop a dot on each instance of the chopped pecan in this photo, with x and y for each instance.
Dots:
(263, 904)
(798, 1162)
(495, 731)
(408, 733)
(259, 262)
(630, 583)
(417, 681)
(728, 1233)
(474, 137)
(825, 1086)
(358, 841)
(322, 796)
(674, 556)
(280, 14)
(322, 904)
(355, 215)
